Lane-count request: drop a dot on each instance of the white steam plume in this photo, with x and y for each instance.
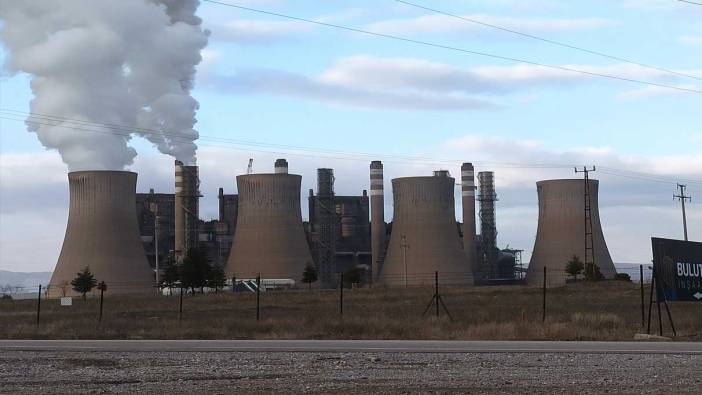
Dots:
(125, 62)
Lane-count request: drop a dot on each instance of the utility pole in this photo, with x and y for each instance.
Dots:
(403, 244)
(682, 197)
(589, 241)
(154, 209)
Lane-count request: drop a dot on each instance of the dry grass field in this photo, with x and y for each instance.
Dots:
(582, 311)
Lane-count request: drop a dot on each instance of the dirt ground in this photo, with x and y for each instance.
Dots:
(23, 372)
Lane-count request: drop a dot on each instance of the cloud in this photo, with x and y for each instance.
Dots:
(691, 40)
(445, 24)
(657, 92)
(415, 84)
(35, 201)
(274, 82)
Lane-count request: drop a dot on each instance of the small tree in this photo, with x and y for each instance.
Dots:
(309, 275)
(84, 282)
(593, 273)
(352, 276)
(575, 266)
(622, 277)
(216, 278)
(171, 273)
(195, 269)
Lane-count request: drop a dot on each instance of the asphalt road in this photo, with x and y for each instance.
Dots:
(364, 346)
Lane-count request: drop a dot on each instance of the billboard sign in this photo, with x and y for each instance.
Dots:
(678, 267)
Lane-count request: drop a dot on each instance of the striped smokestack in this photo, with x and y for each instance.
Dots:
(377, 216)
(468, 204)
(187, 210)
(281, 166)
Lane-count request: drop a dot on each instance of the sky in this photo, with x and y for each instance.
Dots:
(270, 87)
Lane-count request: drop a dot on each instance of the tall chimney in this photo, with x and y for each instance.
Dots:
(468, 205)
(281, 166)
(378, 229)
(187, 210)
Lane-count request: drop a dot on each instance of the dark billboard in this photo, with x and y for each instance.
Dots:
(678, 267)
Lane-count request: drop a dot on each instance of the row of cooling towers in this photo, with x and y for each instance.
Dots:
(270, 241)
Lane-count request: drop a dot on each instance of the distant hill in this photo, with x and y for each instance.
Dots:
(30, 280)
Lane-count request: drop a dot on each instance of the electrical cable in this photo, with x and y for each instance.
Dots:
(353, 156)
(457, 49)
(546, 40)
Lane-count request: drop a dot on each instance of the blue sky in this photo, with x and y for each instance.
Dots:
(276, 81)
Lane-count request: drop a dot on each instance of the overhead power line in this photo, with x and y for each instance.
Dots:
(457, 49)
(689, 2)
(546, 40)
(269, 148)
(126, 131)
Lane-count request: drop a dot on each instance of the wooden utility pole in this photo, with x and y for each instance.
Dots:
(682, 197)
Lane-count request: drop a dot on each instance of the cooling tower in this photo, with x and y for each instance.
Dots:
(102, 234)
(378, 229)
(187, 208)
(468, 206)
(424, 235)
(269, 238)
(561, 231)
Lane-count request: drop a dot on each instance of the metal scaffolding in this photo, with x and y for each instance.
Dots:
(488, 227)
(327, 227)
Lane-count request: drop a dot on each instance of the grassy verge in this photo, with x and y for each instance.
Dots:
(602, 311)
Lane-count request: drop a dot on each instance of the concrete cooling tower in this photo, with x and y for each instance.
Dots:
(424, 236)
(561, 231)
(102, 234)
(269, 238)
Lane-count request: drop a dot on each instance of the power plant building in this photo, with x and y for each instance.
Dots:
(424, 236)
(270, 239)
(102, 234)
(352, 244)
(561, 231)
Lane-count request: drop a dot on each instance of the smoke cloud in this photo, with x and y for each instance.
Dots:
(129, 63)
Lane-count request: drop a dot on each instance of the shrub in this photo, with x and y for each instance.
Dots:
(622, 277)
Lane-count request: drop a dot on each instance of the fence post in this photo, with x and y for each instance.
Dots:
(180, 308)
(38, 304)
(436, 290)
(543, 301)
(341, 294)
(258, 297)
(641, 281)
(102, 287)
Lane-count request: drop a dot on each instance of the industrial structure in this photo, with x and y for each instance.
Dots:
(102, 234)
(468, 206)
(378, 225)
(187, 208)
(156, 216)
(270, 239)
(424, 236)
(338, 231)
(487, 197)
(260, 230)
(562, 231)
